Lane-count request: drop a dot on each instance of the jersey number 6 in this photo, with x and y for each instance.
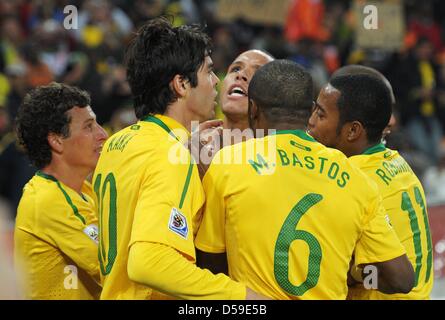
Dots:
(289, 234)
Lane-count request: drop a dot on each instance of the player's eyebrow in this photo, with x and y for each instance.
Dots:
(319, 106)
(235, 63)
(257, 66)
(91, 119)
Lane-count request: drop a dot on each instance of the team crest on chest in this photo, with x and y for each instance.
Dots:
(178, 223)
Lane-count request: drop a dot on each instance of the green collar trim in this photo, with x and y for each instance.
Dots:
(299, 133)
(65, 194)
(160, 123)
(186, 185)
(374, 149)
(46, 176)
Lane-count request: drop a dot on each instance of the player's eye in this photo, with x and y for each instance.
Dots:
(319, 113)
(235, 69)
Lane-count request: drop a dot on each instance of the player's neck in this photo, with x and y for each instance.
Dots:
(233, 122)
(358, 148)
(71, 177)
(183, 117)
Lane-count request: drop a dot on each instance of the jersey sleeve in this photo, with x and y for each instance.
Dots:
(166, 205)
(73, 237)
(211, 233)
(164, 269)
(378, 241)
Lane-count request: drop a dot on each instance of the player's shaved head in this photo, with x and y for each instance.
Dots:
(263, 53)
(282, 91)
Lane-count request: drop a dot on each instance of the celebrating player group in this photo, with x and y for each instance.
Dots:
(304, 201)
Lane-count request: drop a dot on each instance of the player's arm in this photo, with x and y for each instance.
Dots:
(215, 262)
(395, 275)
(160, 256)
(163, 268)
(67, 231)
(210, 239)
(166, 270)
(379, 246)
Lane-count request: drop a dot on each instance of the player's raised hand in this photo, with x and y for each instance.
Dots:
(204, 143)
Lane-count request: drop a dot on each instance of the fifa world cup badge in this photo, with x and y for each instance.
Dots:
(92, 232)
(178, 223)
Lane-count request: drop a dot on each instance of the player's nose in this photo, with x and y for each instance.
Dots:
(102, 135)
(241, 74)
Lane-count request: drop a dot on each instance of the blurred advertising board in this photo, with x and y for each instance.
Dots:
(379, 24)
(436, 215)
(272, 12)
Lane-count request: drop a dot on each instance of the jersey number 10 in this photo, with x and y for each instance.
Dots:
(100, 190)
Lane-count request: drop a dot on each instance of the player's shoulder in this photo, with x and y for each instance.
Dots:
(335, 155)
(361, 183)
(376, 156)
(385, 165)
(373, 157)
(41, 187)
(120, 139)
(131, 145)
(139, 138)
(41, 197)
(229, 160)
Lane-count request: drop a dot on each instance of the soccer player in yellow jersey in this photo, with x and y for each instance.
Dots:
(56, 231)
(290, 216)
(234, 102)
(350, 118)
(148, 189)
(233, 97)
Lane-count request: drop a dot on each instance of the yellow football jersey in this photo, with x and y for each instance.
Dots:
(404, 201)
(290, 215)
(148, 191)
(56, 237)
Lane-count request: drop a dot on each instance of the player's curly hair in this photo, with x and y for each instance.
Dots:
(158, 52)
(44, 111)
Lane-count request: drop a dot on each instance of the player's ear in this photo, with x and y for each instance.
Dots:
(354, 131)
(179, 85)
(55, 142)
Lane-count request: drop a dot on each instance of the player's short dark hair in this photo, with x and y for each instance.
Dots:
(366, 99)
(351, 69)
(359, 69)
(158, 53)
(44, 111)
(283, 90)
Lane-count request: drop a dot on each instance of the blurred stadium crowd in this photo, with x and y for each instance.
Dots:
(35, 49)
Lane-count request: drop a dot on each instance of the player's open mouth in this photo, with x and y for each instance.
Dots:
(237, 91)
